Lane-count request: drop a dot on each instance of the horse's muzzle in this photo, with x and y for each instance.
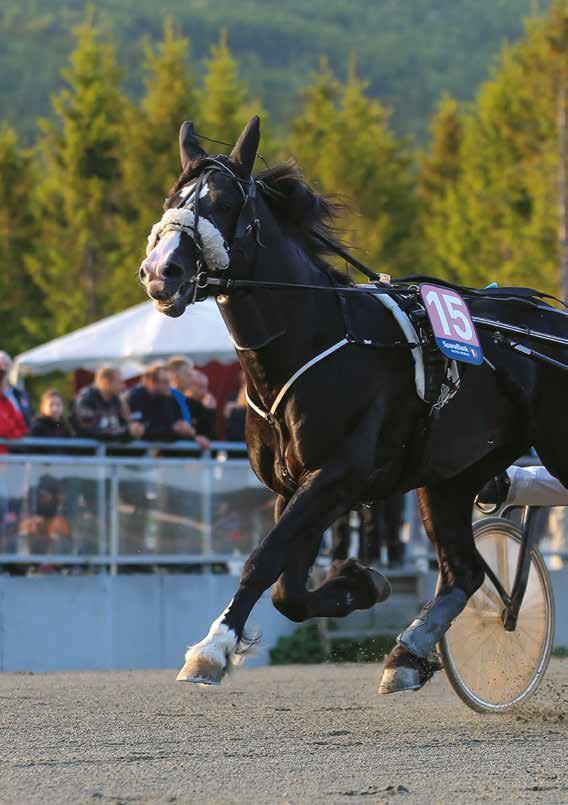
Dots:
(174, 305)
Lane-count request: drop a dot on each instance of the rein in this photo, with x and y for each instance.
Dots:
(248, 232)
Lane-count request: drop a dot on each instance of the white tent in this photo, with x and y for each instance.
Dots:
(132, 338)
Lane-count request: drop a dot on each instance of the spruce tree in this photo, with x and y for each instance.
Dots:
(79, 197)
(226, 105)
(311, 130)
(20, 299)
(440, 170)
(500, 219)
(343, 141)
(151, 154)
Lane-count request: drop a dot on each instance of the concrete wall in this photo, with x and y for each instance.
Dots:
(103, 622)
(54, 623)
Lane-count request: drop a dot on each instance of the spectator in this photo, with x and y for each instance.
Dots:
(51, 424)
(98, 412)
(15, 409)
(236, 411)
(47, 526)
(15, 416)
(202, 404)
(153, 407)
(180, 370)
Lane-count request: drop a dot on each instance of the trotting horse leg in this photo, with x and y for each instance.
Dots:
(446, 513)
(348, 586)
(324, 495)
(446, 510)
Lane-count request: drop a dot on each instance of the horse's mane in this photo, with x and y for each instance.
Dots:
(296, 206)
(304, 211)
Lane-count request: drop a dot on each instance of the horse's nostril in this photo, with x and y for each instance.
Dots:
(142, 274)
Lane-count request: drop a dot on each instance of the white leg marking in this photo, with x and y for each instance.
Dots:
(214, 652)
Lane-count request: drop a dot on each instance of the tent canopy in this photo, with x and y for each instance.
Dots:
(133, 338)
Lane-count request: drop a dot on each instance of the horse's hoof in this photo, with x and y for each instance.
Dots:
(406, 671)
(381, 585)
(201, 670)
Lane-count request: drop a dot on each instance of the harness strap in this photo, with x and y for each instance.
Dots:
(269, 416)
(403, 321)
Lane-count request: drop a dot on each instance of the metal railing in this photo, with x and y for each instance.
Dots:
(133, 503)
(81, 502)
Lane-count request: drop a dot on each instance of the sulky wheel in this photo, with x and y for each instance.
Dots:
(490, 668)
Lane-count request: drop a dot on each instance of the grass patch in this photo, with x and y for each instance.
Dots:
(305, 645)
(560, 651)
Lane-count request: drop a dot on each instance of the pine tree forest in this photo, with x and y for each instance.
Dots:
(483, 199)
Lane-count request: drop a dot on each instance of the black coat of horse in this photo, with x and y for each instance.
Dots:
(352, 428)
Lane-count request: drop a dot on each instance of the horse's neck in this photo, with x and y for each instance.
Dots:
(277, 331)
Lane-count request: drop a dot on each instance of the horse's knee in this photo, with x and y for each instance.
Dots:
(292, 606)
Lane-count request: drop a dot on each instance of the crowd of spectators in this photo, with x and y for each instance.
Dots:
(171, 402)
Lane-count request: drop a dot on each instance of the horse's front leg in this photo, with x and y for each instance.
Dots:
(323, 496)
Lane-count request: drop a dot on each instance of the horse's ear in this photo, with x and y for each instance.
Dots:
(244, 150)
(189, 148)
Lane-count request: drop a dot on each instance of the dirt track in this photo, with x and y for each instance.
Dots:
(316, 734)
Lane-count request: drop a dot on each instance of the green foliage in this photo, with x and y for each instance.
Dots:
(74, 215)
(410, 52)
(80, 190)
(225, 104)
(493, 215)
(150, 154)
(305, 646)
(343, 140)
(302, 646)
(20, 298)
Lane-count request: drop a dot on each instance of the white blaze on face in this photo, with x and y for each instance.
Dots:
(164, 247)
(165, 235)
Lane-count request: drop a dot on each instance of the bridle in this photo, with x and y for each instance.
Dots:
(246, 239)
(211, 281)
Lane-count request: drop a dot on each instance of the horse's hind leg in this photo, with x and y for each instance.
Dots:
(446, 510)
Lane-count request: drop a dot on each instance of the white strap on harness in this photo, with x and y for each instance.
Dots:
(412, 337)
(286, 387)
(409, 332)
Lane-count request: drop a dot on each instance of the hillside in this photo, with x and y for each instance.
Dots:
(410, 51)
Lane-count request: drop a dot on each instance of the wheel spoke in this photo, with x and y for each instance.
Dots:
(496, 667)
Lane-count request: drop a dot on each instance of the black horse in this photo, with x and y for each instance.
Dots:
(352, 427)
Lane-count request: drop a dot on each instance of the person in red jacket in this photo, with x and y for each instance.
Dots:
(15, 412)
(14, 408)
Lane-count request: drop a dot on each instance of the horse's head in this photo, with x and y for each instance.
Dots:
(211, 207)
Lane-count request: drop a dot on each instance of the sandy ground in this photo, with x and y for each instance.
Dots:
(314, 734)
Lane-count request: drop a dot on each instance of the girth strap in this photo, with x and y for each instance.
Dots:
(269, 415)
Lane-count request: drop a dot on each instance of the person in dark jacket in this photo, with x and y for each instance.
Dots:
(47, 525)
(236, 412)
(154, 408)
(98, 412)
(51, 424)
(202, 405)
(180, 371)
